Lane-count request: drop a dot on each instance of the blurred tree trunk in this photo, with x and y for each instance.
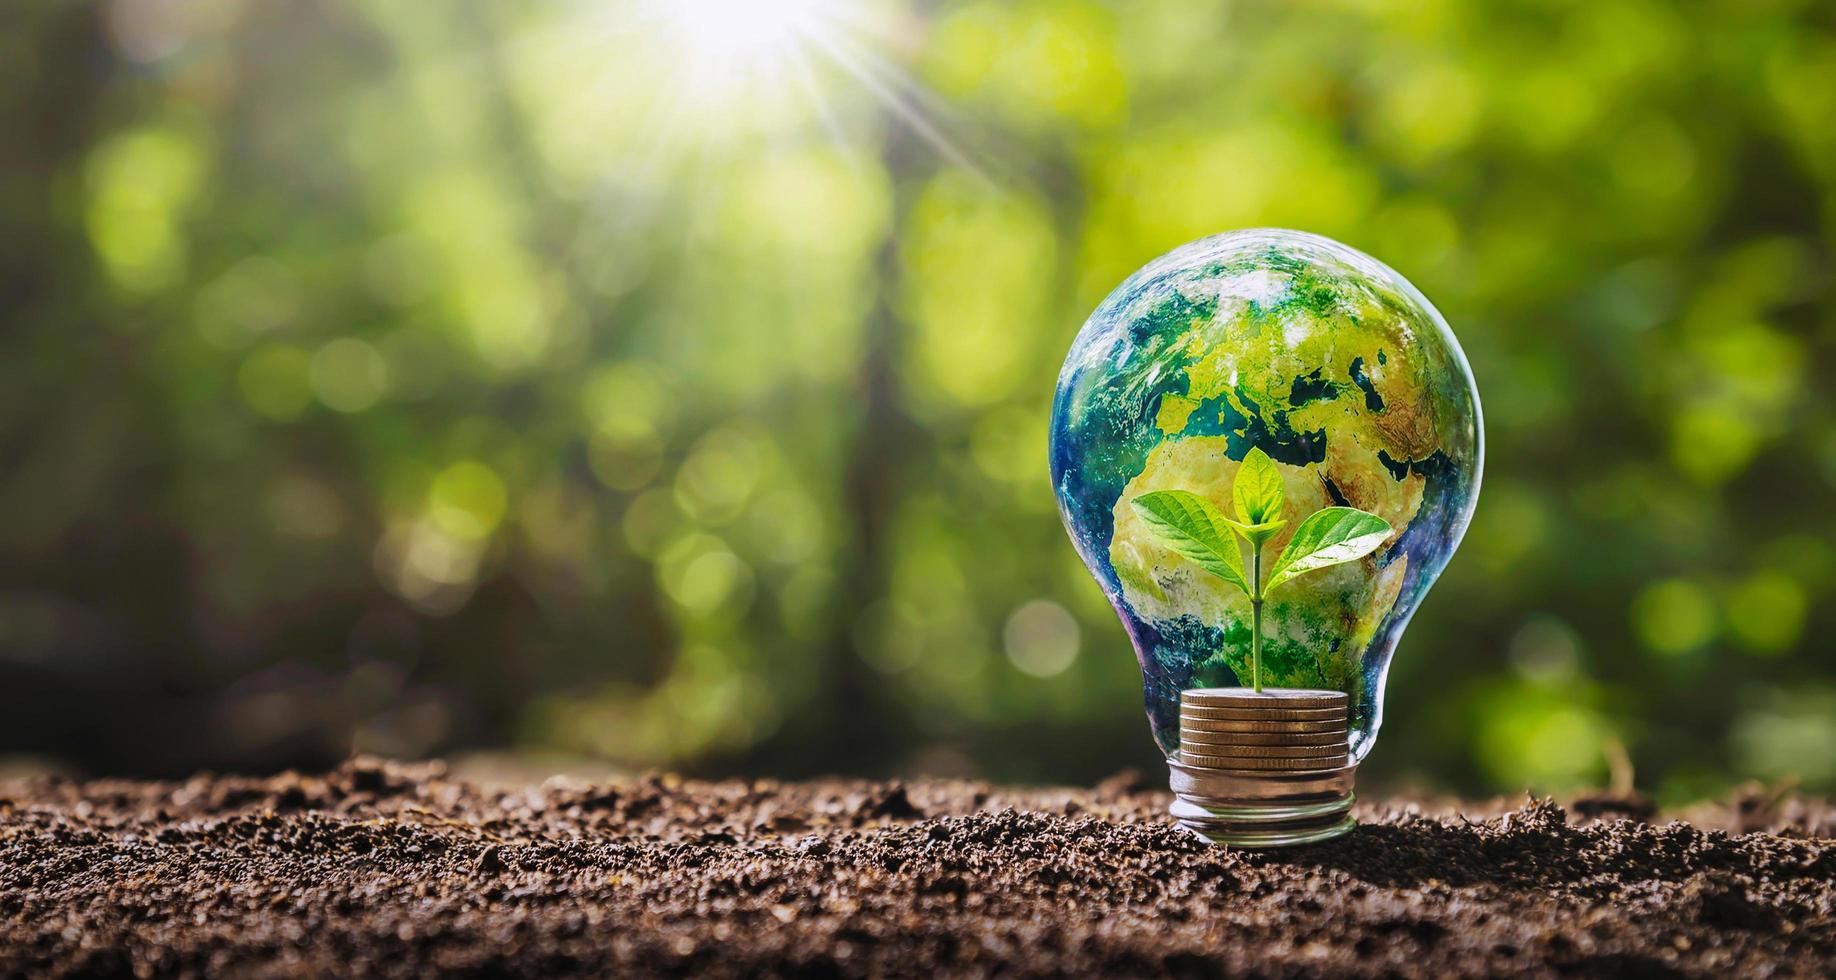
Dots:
(868, 726)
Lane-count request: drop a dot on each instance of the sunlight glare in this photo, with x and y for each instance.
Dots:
(738, 36)
(667, 80)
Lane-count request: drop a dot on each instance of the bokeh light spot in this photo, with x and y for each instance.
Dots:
(719, 475)
(625, 402)
(1792, 735)
(890, 635)
(349, 375)
(467, 500)
(1042, 639)
(649, 520)
(139, 184)
(704, 576)
(1546, 650)
(276, 381)
(1673, 616)
(1765, 613)
(1541, 739)
(256, 296)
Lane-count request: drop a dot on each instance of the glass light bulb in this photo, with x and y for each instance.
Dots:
(1337, 368)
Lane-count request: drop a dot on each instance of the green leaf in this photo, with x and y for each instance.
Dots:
(1256, 534)
(1329, 537)
(1195, 530)
(1257, 491)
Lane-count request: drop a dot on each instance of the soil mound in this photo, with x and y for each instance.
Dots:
(379, 869)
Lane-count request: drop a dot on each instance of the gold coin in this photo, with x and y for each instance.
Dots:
(1263, 727)
(1262, 751)
(1262, 714)
(1265, 765)
(1237, 697)
(1200, 735)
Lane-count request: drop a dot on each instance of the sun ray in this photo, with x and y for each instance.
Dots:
(897, 91)
(716, 74)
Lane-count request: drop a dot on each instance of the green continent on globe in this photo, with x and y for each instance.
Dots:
(1326, 360)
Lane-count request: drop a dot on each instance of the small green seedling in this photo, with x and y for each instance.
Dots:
(1196, 530)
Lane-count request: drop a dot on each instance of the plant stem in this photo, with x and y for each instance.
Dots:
(1256, 619)
(1256, 643)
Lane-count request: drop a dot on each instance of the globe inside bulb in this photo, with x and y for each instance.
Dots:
(1337, 368)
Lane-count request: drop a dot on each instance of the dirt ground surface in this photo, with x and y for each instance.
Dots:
(378, 869)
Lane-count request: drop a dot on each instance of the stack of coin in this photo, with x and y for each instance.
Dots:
(1279, 730)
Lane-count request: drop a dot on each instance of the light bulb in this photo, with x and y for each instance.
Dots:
(1351, 382)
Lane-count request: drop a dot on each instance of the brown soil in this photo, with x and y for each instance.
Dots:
(379, 869)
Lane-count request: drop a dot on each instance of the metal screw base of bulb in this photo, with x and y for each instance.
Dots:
(1245, 809)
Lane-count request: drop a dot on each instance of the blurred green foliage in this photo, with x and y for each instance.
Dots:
(672, 388)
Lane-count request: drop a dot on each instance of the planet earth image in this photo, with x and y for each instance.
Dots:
(1337, 368)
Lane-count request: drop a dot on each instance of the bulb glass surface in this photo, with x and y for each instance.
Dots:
(1342, 372)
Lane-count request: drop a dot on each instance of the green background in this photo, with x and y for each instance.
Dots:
(609, 383)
